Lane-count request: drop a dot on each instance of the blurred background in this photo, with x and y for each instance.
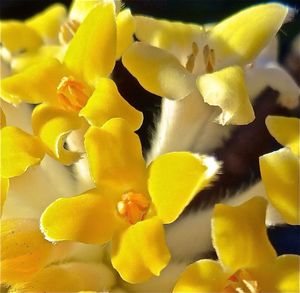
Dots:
(240, 153)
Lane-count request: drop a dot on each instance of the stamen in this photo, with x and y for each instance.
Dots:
(190, 64)
(72, 94)
(133, 206)
(67, 31)
(209, 59)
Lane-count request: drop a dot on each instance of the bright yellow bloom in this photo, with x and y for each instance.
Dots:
(280, 170)
(247, 260)
(77, 87)
(131, 202)
(208, 64)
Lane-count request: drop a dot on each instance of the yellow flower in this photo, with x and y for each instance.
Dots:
(76, 88)
(130, 203)
(213, 61)
(247, 261)
(280, 170)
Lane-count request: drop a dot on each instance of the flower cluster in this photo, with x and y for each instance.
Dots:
(102, 228)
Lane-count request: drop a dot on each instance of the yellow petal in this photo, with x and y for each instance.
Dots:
(90, 218)
(286, 130)
(2, 118)
(202, 276)
(175, 178)
(241, 37)
(52, 125)
(115, 156)
(47, 23)
(92, 51)
(107, 103)
(226, 88)
(34, 85)
(158, 71)
(239, 231)
(280, 172)
(19, 151)
(69, 277)
(17, 37)
(140, 251)
(125, 31)
(282, 276)
(176, 37)
(4, 190)
(24, 251)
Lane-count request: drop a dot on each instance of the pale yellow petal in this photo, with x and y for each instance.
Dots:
(158, 71)
(226, 88)
(280, 172)
(107, 103)
(140, 251)
(52, 125)
(175, 178)
(239, 235)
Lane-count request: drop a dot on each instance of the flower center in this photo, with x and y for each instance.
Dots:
(72, 94)
(209, 59)
(67, 31)
(133, 206)
(242, 282)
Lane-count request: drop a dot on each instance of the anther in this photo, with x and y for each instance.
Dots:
(67, 31)
(190, 64)
(209, 59)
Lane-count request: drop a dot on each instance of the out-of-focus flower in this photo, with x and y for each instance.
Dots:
(215, 64)
(247, 260)
(76, 87)
(280, 170)
(131, 202)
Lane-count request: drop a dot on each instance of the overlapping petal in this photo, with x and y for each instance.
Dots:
(52, 125)
(115, 156)
(243, 227)
(239, 38)
(29, 86)
(202, 277)
(140, 251)
(175, 178)
(280, 172)
(226, 88)
(90, 218)
(107, 103)
(286, 130)
(91, 53)
(158, 71)
(2, 118)
(19, 151)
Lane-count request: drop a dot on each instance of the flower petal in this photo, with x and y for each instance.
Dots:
(52, 125)
(244, 228)
(158, 71)
(115, 156)
(175, 178)
(97, 57)
(280, 175)
(240, 38)
(29, 85)
(17, 37)
(69, 277)
(4, 190)
(286, 130)
(47, 23)
(125, 31)
(140, 251)
(89, 217)
(106, 103)
(24, 251)
(2, 118)
(19, 151)
(202, 276)
(226, 88)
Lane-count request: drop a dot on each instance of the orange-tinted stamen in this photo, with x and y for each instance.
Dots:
(209, 59)
(133, 206)
(72, 94)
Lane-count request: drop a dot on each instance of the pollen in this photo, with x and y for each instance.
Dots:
(133, 206)
(242, 282)
(72, 94)
(209, 59)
